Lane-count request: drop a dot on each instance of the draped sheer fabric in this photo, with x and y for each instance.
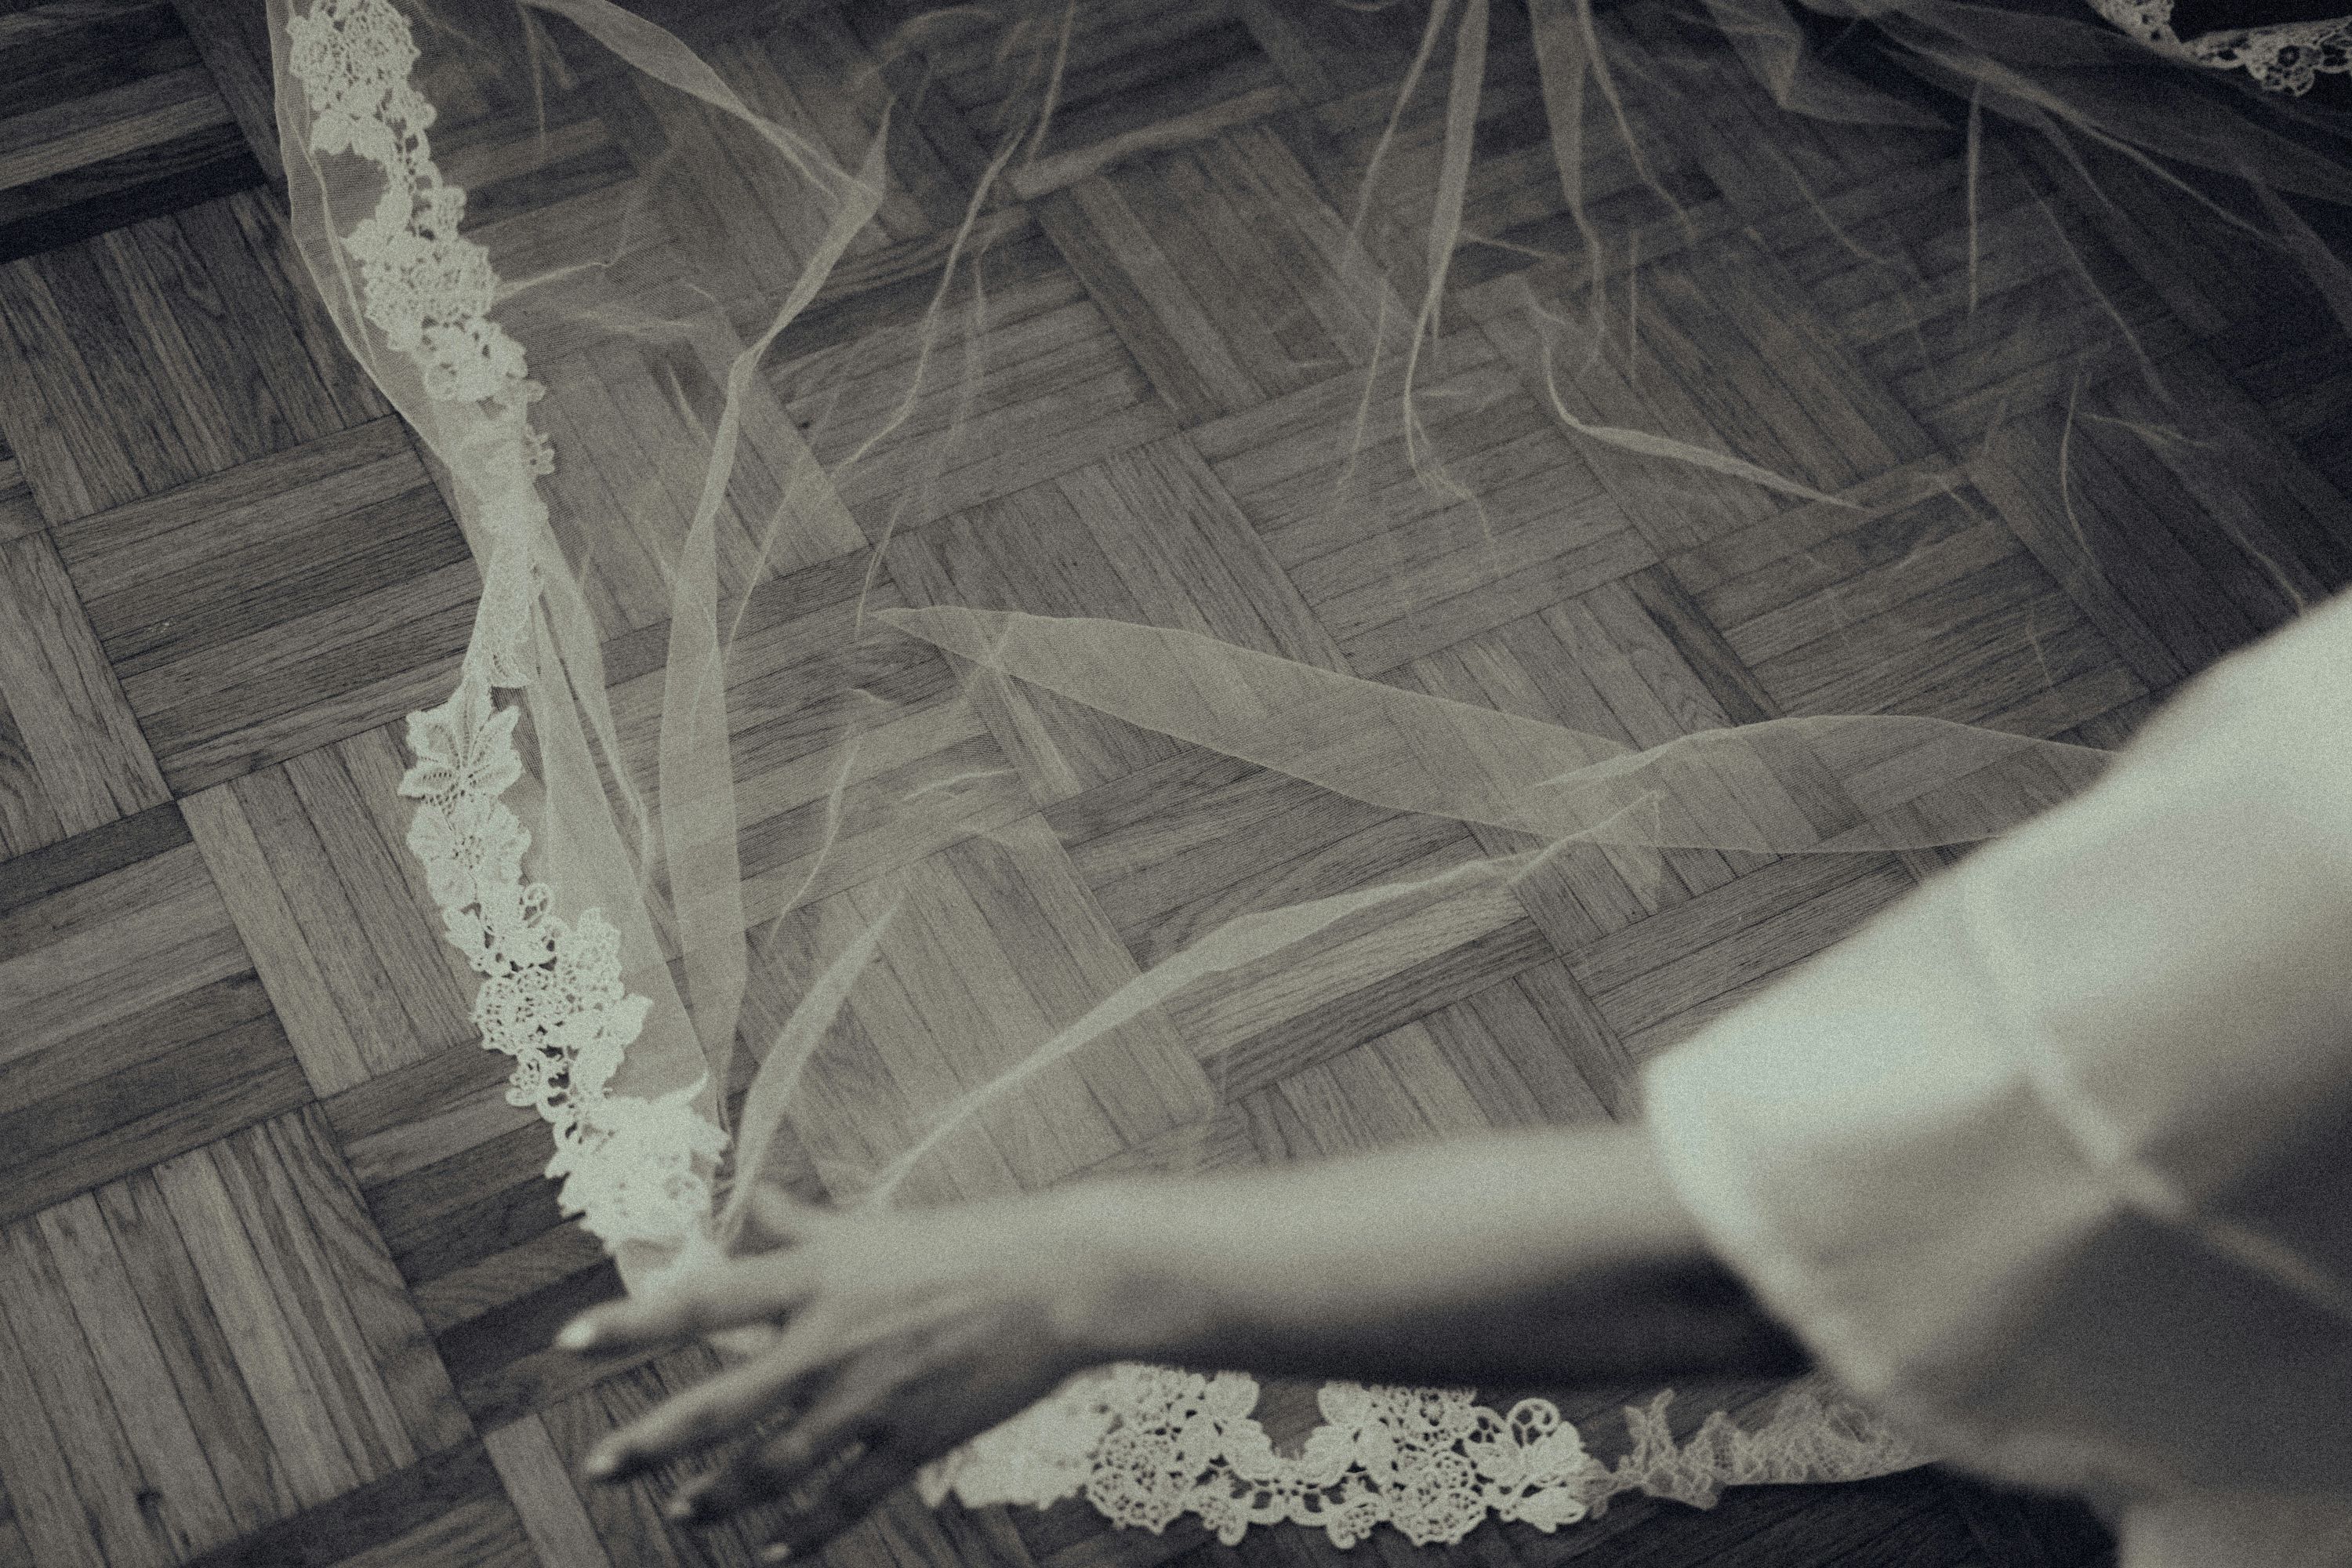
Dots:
(2072, 1197)
(668, 810)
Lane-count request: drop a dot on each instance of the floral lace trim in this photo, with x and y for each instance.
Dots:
(427, 290)
(1148, 1445)
(2288, 58)
(551, 996)
(1145, 1444)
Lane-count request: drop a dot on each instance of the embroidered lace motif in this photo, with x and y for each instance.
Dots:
(1145, 1444)
(551, 996)
(2284, 58)
(1148, 1445)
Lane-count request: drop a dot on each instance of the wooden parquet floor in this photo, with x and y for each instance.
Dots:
(278, 1264)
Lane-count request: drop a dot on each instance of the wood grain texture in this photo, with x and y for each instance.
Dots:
(129, 1515)
(281, 605)
(544, 1495)
(176, 347)
(233, 41)
(112, 117)
(19, 514)
(204, 1369)
(137, 1028)
(328, 901)
(282, 1263)
(1023, 378)
(73, 757)
(344, 1379)
(400, 1512)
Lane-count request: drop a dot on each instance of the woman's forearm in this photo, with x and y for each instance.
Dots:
(1550, 1257)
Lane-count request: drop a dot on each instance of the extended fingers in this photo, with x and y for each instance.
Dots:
(766, 1470)
(839, 1503)
(716, 1409)
(701, 1302)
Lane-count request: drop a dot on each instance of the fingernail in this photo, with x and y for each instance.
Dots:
(775, 1552)
(683, 1507)
(577, 1335)
(603, 1464)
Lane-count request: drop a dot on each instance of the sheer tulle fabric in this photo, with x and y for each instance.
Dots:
(664, 810)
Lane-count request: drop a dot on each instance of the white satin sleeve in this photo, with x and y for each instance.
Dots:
(2053, 1161)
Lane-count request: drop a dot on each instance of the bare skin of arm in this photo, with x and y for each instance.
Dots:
(1552, 1257)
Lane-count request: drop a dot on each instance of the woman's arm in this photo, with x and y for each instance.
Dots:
(1544, 1257)
(1556, 1257)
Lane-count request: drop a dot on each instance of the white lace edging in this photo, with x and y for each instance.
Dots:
(551, 996)
(1144, 1445)
(1148, 1445)
(2287, 57)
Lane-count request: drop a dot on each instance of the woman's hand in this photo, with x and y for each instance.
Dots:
(1551, 1257)
(899, 1335)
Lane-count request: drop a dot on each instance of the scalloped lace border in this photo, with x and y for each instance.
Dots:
(1144, 1445)
(2287, 57)
(551, 996)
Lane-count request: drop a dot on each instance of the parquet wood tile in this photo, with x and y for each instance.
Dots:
(1966, 325)
(1224, 271)
(1149, 536)
(346, 1386)
(211, 1344)
(1808, 906)
(72, 758)
(112, 117)
(467, 1206)
(18, 515)
(146, 1490)
(539, 1485)
(1780, 178)
(137, 1028)
(401, 1121)
(946, 970)
(238, 1326)
(627, 1518)
(1325, 51)
(1601, 663)
(2305, 394)
(309, 855)
(148, 356)
(553, 1259)
(1410, 540)
(1133, 75)
(233, 41)
(2168, 537)
(452, 1178)
(1731, 356)
(279, 605)
(205, 1371)
(1173, 850)
(1006, 388)
(53, 1520)
(796, 702)
(1910, 594)
(1643, 194)
(395, 1507)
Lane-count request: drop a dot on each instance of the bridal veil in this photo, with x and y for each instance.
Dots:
(729, 330)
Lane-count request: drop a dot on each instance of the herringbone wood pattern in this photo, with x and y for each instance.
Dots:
(278, 1264)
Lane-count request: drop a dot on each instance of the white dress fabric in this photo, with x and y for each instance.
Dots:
(2050, 1162)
